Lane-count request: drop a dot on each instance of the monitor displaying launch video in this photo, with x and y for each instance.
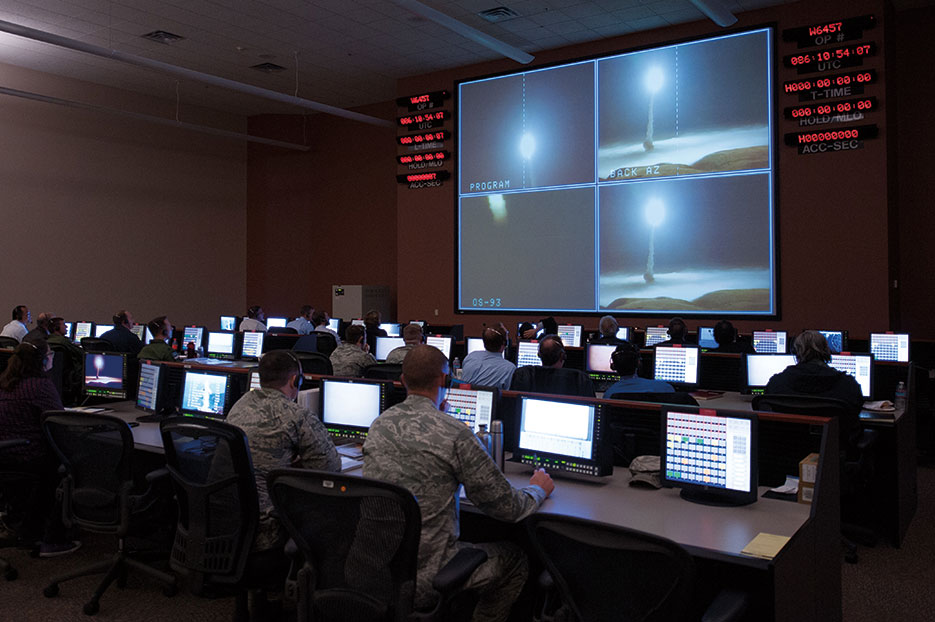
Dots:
(641, 182)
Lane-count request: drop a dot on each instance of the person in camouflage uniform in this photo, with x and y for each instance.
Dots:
(419, 447)
(412, 336)
(353, 356)
(280, 434)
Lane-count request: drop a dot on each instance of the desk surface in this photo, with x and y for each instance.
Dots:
(732, 400)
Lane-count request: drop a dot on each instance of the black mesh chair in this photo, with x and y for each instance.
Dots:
(604, 573)
(326, 343)
(98, 493)
(14, 486)
(360, 541)
(678, 397)
(554, 380)
(282, 330)
(307, 343)
(212, 473)
(315, 363)
(8, 342)
(95, 344)
(384, 371)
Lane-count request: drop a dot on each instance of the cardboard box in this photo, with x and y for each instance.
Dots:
(806, 492)
(808, 469)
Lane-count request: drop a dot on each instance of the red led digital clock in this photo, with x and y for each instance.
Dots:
(428, 137)
(434, 176)
(423, 101)
(850, 106)
(429, 156)
(827, 32)
(860, 132)
(417, 120)
(845, 79)
(827, 60)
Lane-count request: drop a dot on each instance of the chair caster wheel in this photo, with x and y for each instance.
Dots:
(91, 608)
(50, 591)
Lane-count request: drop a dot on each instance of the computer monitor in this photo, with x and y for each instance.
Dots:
(334, 323)
(349, 405)
(358, 322)
(229, 322)
(147, 336)
(442, 342)
(656, 334)
(710, 454)
(860, 366)
(105, 374)
(706, 337)
(222, 345)
(676, 364)
(837, 340)
(566, 437)
(276, 322)
(527, 353)
(472, 405)
(476, 344)
(519, 334)
(140, 331)
(421, 323)
(598, 358)
(150, 392)
(392, 330)
(769, 341)
(100, 329)
(252, 345)
(890, 346)
(70, 330)
(623, 332)
(193, 334)
(385, 345)
(82, 330)
(757, 369)
(206, 394)
(570, 334)
(254, 380)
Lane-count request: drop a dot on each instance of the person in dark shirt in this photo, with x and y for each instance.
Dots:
(43, 327)
(372, 324)
(726, 337)
(608, 332)
(158, 349)
(121, 336)
(678, 331)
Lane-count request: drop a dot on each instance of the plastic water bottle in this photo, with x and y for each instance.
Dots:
(456, 367)
(899, 402)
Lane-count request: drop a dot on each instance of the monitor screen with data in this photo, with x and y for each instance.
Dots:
(229, 322)
(527, 353)
(570, 334)
(655, 334)
(348, 406)
(890, 346)
(150, 392)
(385, 345)
(442, 342)
(676, 365)
(860, 367)
(474, 406)
(193, 334)
(565, 437)
(140, 331)
(615, 175)
(837, 340)
(82, 330)
(70, 330)
(206, 394)
(706, 337)
(252, 346)
(759, 368)
(769, 341)
(221, 345)
(710, 454)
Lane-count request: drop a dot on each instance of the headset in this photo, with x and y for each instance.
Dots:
(297, 381)
(252, 311)
(625, 356)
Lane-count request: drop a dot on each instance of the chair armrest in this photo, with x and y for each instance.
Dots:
(727, 606)
(457, 571)
(156, 475)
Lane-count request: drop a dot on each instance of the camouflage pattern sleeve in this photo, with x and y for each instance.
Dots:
(313, 445)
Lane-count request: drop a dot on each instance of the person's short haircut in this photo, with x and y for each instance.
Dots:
(494, 338)
(609, 326)
(412, 332)
(120, 317)
(56, 323)
(677, 329)
(811, 346)
(551, 350)
(305, 310)
(626, 359)
(354, 333)
(724, 333)
(253, 311)
(44, 320)
(157, 325)
(319, 317)
(19, 312)
(276, 366)
(422, 366)
(372, 317)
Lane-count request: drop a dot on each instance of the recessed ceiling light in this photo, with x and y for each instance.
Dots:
(498, 14)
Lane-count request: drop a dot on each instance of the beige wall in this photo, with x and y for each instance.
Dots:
(99, 212)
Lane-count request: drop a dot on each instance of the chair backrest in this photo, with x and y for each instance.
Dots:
(315, 363)
(306, 343)
(360, 540)
(210, 465)
(96, 452)
(326, 343)
(554, 380)
(678, 397)
(96, 344)
(384, 371)
(8, 342)
(848, 417)
(613, 573)
(282, 330)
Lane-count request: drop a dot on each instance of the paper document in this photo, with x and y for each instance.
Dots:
(791, 486)
(765, 546)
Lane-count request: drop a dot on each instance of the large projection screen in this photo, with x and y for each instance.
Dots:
(641, 182)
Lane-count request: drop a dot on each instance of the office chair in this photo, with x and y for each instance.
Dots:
(326, 343)
(384, 371)
(679, 397)
(553, 380)
(8, 342)
(98, 493)
(360, 540)
(12, 485)
(307, 343)
(315, 363)
(95, 344)
(282, 330)
(857, 460)
(212, 473)
(604, 573)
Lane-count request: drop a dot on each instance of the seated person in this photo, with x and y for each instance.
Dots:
(608, 328)
(73, 367)
(17, 328)
(280, 434)
(158, 349)
(488, 368)
(726, 337)
(431, 454)
(121, 336)
(320, 320)
(255, 320)
(811, 375)
(43, 327)
(353, 356)
(412, 336)
(303, 323)
(678, 331)
(545, 326)
(551, 376)
(372, 324)
(626, 361)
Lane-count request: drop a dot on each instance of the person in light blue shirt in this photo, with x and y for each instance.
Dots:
(626, 361)
(487, 367)
(303, 324)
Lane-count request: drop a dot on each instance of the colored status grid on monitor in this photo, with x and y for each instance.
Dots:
(672, 365)
(469, 407)
(696, 449)
(886, 347)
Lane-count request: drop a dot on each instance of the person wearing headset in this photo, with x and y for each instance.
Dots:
(626, 361)
(17, 328)
(281, 433)
(121, 335)
(255, 320)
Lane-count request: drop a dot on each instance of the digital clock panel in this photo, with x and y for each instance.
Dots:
(827, 60)
(427, 137)
(423, 101)
(423, 177)
(486, 302)
(429, 156)
(868, 76)
(850, 106)
(826, 32)
(412, 121)
(860, 132)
